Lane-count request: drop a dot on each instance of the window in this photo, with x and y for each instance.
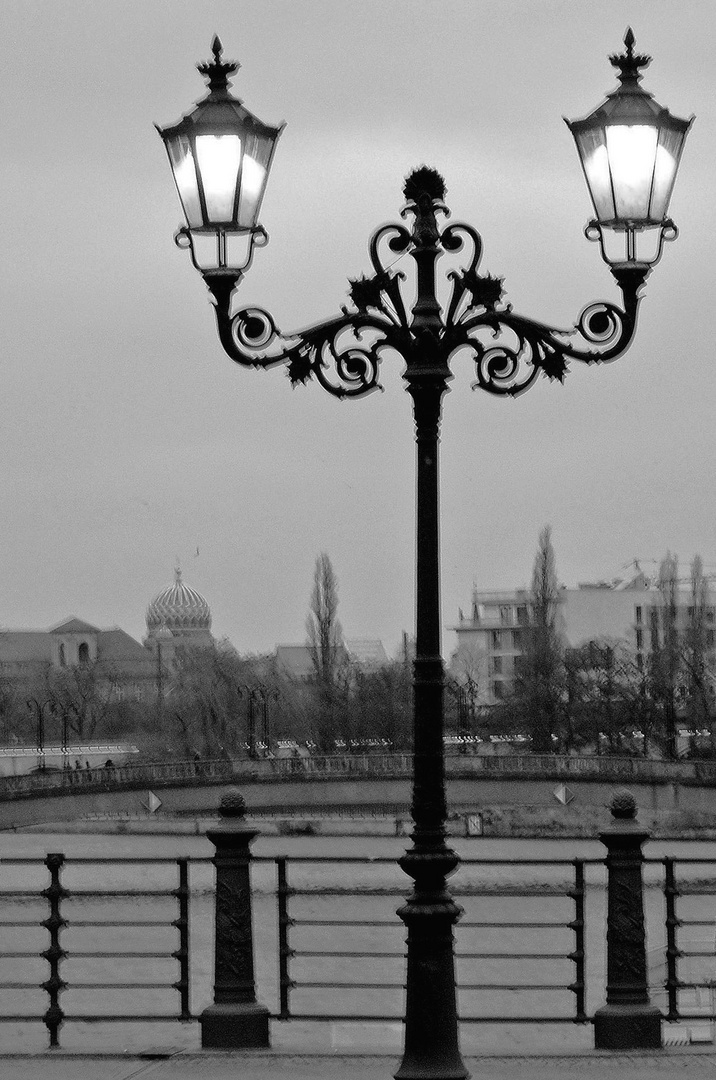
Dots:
(83, 653)
(517, 639)
(496, 639)
(639, 638)
(505, 616)
(63, 658)
(638, 614)
(496, 664)
(498, 691)
(709, 614)
(654, 618)
(522, 619)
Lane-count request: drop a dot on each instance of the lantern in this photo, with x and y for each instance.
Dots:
(220, 155)
(630, 149)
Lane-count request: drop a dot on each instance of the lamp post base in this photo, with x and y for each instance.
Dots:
(627, 1027)
(233, 1026)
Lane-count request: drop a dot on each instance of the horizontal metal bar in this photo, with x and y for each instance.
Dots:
(120, 986)
(368, 860)
(345, 922)
(522, 925)
(354, 955)
(398, 891)
(15, 894)
(357, 1018)
(366, 1018)
(20, 1017)
(512, 956)
(23, 922)
(20, 986)
(685, 892)
(7, 954)
(524, 1020)
(73, 954)
(139, 1018)
(388, 860)
(128, 894)
(685, 860)
(512, 986)
(167, 860)
(115, 922)
(305, 984)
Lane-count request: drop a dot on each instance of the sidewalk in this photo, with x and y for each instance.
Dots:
(269, 1065)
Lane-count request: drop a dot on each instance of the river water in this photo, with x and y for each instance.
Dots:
(326, 889)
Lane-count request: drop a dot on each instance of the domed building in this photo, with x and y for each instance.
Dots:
(179, 616)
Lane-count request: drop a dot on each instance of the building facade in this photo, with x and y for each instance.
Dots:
(177, 618)
(492, 636)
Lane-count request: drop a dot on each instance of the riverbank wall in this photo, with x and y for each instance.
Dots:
(515, 822)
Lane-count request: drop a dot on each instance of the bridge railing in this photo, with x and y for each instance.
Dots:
(399, 765)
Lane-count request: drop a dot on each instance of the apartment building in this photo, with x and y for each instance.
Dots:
(491, 636)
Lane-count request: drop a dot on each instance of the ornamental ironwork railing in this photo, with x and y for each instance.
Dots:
(523, 930)
(88, 939)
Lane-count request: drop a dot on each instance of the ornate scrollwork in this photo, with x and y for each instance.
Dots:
(509, 351)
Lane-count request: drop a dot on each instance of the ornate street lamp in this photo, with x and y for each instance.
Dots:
(509, 352)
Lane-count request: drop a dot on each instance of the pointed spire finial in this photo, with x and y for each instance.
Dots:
(629, 62)
(218, 71)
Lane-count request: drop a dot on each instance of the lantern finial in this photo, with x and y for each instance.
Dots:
(217, 72)
(628, 62)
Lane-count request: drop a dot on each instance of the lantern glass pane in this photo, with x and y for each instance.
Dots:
(184, 169)
(632, 153)
(254, 171)
(218, 158)
(593, 152)
(667, 161)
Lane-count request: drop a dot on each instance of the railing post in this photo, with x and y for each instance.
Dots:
(672, 950)
(579, 985)
(628, 1021)
(285, 952)
(55, 893)
(182, 925)
(235, 1019)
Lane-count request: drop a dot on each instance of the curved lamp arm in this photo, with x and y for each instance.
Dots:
(509, 350)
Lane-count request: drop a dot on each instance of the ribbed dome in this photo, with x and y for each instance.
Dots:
(179, 608)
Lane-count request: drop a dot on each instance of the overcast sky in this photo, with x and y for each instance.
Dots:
(129, 439)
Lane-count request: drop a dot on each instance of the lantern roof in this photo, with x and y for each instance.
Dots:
(629, 103)
(219, 110)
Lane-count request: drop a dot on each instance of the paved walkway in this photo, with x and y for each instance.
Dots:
(697, 1063)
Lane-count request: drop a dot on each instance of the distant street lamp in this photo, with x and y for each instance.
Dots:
(220, 155)
(39, 708)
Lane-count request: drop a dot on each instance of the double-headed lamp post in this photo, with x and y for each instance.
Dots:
(220, 155)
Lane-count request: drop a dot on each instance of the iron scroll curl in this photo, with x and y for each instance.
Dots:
(509, 351)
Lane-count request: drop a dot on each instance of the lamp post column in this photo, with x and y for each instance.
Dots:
(431, 1029)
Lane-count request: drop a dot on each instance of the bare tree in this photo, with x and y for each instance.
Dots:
(325, 642)
(542, 680)
(665, 659)
(695, 651)
(325, 636)
(81, 696)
